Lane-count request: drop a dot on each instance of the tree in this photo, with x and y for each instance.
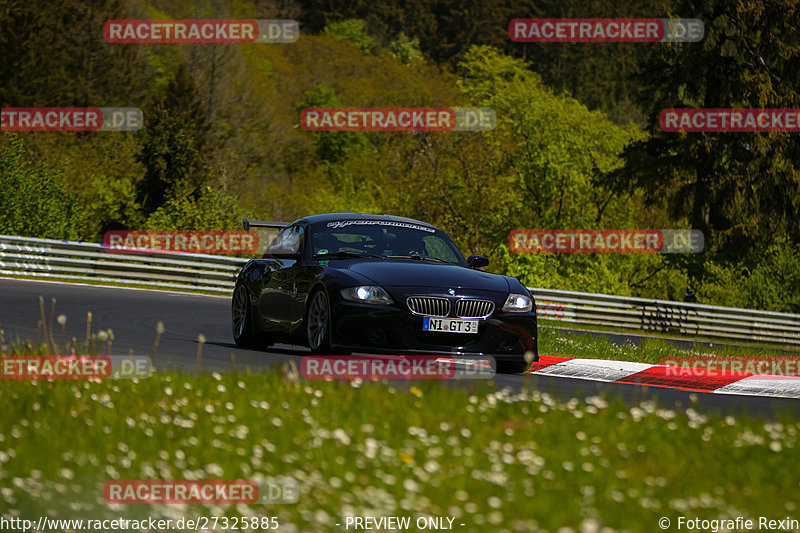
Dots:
(556, 149)
(539, 168)
(740, 189)
(183, 101)
(603, 76)
(168, 154)
(332, 145)
(54, 54)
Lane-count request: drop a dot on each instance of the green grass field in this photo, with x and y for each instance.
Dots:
(494, 461)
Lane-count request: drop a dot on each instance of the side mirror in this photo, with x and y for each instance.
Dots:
(477, 261)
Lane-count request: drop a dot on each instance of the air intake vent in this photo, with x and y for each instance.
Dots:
(470, 308)
(429, 305)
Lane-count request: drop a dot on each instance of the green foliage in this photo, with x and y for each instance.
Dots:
(206, 209)
(445, 28)
(352, 30)
(607, 274)
(739, 189)
(168, 155)
(602, 76)
(332, 145)
(353, 185)
(35, 200)
(53, 54)
(555, 147)
(405, 49)
(548, 152)
(772, 284)
(183, 101)
(99, 168)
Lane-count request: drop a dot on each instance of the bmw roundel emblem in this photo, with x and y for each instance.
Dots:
(451, 291)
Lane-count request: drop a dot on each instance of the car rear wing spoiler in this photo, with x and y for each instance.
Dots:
(262, 224)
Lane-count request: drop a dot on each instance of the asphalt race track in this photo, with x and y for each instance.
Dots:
(133, 314)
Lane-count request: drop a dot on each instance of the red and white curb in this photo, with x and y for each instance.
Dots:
(743, 383)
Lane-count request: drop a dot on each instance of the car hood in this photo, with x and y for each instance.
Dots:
(425, 274)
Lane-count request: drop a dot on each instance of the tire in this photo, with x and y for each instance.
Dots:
(512, 367)
(242, 320)
(318, 322)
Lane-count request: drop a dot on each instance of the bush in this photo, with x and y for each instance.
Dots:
(771, 284)
(351, 30)
(35, 200)
(207, 209)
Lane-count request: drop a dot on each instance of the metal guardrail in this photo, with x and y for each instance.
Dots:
(661, 316)
(47, 258)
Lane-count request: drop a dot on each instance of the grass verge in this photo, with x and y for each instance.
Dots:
(494, 460)
(559, 343)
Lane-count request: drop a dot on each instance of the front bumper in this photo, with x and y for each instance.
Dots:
(391, 329)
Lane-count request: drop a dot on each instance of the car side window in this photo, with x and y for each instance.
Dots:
(288, 241)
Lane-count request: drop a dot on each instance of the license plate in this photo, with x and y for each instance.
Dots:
(448, 325)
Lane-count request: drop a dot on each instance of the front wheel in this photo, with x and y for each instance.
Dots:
(318, 323)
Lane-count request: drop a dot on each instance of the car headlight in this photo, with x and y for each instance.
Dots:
(518, 303)
(368, 294)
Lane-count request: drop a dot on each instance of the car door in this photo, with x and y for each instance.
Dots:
(277, 303)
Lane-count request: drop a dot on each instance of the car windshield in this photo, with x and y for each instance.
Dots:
(385, 238)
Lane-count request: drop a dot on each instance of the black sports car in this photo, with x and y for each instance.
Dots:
(346, 282)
